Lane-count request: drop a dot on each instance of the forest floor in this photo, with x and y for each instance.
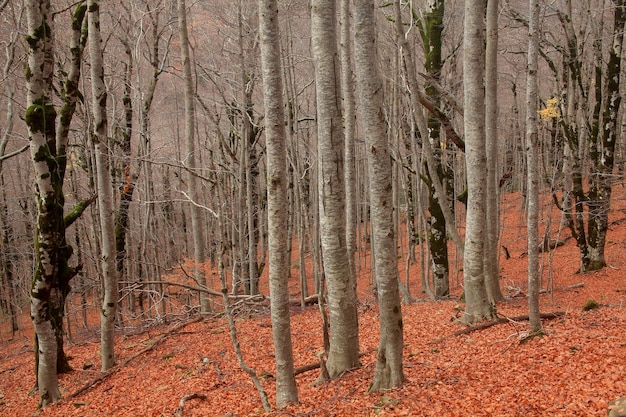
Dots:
(188, 368)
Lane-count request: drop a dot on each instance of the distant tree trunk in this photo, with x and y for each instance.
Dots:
(342, 300)
(197, 225)
(108, 310)
(492, 269)
(149, 260)
(50, 242)
(389, 372)
(431, 31)
(477, 302)
(417, 100)
(279, 264)
(601, 181)
(248, 168)
(7, 254)
(586, 95)
(129, 177)
(532, 170)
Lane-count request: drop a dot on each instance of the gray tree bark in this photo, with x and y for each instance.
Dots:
(532, 168)
(389, 371)
(106, 208)
(477, 302)
(342, 300)
(277, 178)
(7, 253)
(492, 268)
(191, 160)
(40, 120)
(417, 100)
(349, 126)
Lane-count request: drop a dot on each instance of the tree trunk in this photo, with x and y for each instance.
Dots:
(388, 372)
(70, 86)
(417, 101)
(492, 268)
(349, 116)
(342, 301)
(50, 239)
(586, 94)
(129, 176)
(191, 160)
(7, 254)
(601, 183)
(277, 178)
(108, 310)
(432, 29)
(532, 170)
(477, 303)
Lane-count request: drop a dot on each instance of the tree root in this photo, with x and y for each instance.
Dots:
(499, 320)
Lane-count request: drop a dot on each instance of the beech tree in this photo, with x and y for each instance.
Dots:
(342, 300)
(8, 258)
(589, 118)
(532, 169)
(431, 29)
(477, 306)
(275, 137)
(349, 128)
(106, 209)
(492, 213)
(388, 372)
(48, 143)
(191, 159)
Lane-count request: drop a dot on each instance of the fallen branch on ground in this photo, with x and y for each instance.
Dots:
(573, 286)
(116, 368)
(317, 365)
(181, 405)
(499, 320)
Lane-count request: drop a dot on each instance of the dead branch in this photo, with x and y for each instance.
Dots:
(125, 362)
(193, 288)
(237, 348)
(499, 320)
(181, 405)
(574, 286)
(308, 301)
(317, 365)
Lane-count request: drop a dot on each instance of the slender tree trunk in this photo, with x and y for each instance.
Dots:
(191, 160)
(129, 177)
(477, 302)
(7, 254)
(389, 372)
(66, 113)
(106, 208)
(342, 301)
(492, 269)
(532, 169)
(279, 264)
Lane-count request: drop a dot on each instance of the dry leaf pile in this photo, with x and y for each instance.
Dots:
(188, 368)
